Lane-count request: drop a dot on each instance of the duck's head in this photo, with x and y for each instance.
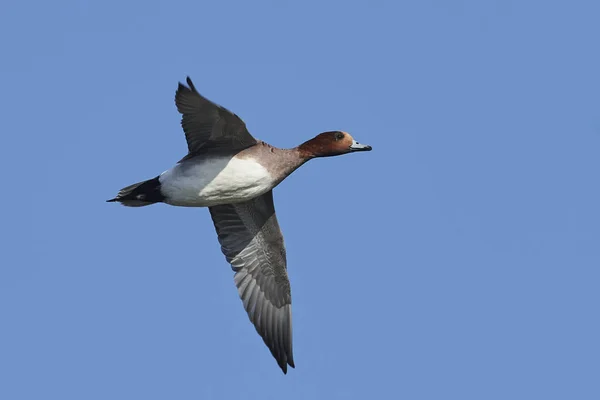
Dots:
(332, 143)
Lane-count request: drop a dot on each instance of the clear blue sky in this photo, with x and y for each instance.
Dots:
(457, 260)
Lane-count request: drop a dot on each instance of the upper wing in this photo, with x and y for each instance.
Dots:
(207, 124)
(253, 244)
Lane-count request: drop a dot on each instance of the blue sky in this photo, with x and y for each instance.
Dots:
(457, 260)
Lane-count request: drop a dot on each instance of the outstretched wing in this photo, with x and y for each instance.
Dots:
(252, 242)
(208, 125)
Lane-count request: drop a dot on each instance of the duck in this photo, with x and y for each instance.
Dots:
(233, 174)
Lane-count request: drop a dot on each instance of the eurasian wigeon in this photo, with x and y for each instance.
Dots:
(233, 174)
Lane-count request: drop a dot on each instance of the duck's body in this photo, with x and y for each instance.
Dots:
(233, 174)
(208, 180)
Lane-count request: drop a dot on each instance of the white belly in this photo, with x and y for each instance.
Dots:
(211, 182)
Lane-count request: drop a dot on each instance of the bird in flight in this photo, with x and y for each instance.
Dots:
(233, 174)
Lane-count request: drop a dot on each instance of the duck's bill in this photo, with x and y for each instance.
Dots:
(359, 147)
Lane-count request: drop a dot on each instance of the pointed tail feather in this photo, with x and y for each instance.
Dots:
(140, 194)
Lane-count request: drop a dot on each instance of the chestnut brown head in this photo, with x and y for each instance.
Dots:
(332, 143)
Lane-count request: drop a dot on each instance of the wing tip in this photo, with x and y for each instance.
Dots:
(189, 88)
(283, 364)
(188, 80)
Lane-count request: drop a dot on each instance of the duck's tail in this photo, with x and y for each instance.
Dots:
(140, 194)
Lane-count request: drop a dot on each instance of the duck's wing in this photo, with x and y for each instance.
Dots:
(252, 242)
(208, 125)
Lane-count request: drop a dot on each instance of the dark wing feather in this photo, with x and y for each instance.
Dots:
(208, 125)
(252, 242)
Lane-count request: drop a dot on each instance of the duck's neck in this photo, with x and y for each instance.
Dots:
(292, 159)
(281, 162)
(310, 149)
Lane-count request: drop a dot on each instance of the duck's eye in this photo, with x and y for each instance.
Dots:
(339, 136)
